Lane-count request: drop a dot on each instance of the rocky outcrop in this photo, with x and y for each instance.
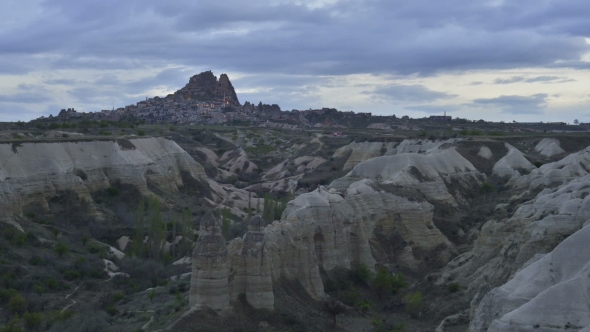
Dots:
(505, 247)
(251, 267)
(206, 87)
(363, 151)
(550, 294)
(513, 164)
(210, 267)
(429, 173)
(549, 147)
(34, 172)
(324, 230)
(573, 166)
(237, 161)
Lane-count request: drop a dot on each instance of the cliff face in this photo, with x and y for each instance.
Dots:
(34, 172)
(322, 229)
(206, 87)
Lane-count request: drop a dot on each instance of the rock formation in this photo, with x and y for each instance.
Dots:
(550, 294)
(206, 87)
(549, 147)
(251, 267)
(33, 172)
(429, 173)
(210, 267)
(524, 250)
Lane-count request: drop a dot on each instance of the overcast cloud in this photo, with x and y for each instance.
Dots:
(94, 55)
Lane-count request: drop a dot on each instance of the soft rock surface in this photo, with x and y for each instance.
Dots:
(485, 152)
(33, 172)
(430, 172)
(551, 294)
(251, 267)
(549, 147)
(512, 163)
(210, 267)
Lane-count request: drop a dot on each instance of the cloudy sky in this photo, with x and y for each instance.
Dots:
(523, 60)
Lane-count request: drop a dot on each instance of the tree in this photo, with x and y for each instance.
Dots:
(382, 282)
(226, 222)
(249, 205)
(33, 321)
(61, 249)
(576, 122)
(187, 232)
(17, 304)
(414, 303)
(333, 307)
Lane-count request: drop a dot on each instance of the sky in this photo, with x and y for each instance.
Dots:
(499, 60)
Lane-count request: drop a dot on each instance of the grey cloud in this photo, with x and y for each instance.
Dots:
(407, 93)
(515, 104)
(434, 109)
(513, 79)
(280, 39)
(25, 98)
(537, 79)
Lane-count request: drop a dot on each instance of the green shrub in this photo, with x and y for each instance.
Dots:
(7, 294)
(141, 133)
(61, 249)
(33, 320)
(112, 310)
(113, 191)
(17, 304)
(39, 289)
(453, 287)
(364, 306)
(350, 297)
(414, 304)
(360, 274)
(486, 188)
(71, 275)
(398, 282)
(118, 297)
(538, 163)
(51, 283)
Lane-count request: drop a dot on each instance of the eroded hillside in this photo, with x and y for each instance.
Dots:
(463, 221)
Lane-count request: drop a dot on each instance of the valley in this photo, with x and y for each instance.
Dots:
(208, 228)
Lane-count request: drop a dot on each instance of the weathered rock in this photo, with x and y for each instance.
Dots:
(429, 173)
(210, 267)
(512, 164)
(251, 267)
(34, 172)
(549, 147)
(560, 172)
(205, 86)
(551, 294)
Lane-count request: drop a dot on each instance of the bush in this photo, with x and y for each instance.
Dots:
(113, 191)
(17, 304)
(33, 320)
(141, 133)
(398, 282)
(486, 188)
(414, 304)
(112, 310)
(71, 275)
(453, 287)
(360, 274)
(61, 249)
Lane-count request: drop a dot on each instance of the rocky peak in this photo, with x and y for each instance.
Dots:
(206, 87)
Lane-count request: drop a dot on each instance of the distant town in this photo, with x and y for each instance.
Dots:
(205, 100)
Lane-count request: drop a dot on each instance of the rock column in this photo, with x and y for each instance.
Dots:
(210, 267)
